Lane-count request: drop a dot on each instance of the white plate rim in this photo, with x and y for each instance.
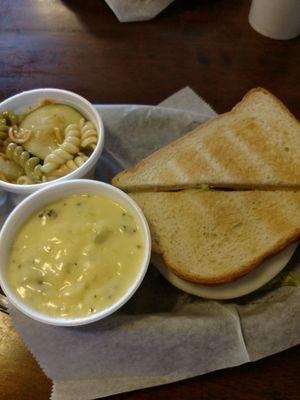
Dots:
(231, 290)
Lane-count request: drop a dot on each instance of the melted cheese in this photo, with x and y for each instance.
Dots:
(75, 257)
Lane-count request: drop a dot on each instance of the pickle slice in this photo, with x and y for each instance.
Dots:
(42, 122)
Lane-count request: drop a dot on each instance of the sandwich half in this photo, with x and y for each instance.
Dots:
(212, 237)
(256, 145)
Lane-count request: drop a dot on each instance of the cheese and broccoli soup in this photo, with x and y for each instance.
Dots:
(76, 256)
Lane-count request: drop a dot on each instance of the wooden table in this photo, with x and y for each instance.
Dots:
(208, 45)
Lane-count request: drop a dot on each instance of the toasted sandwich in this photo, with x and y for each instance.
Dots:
(255, 145)
(212, 237)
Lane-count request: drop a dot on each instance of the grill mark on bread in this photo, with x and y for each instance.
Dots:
(222, 254)
(278, 159)
(228, 156)
(203, 162)
(174, 170)
(255, 161)
(273, 218)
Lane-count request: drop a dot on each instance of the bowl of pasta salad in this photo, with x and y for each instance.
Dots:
(47, 135)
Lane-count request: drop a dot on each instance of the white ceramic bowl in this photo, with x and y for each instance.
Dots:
(40, 199)
(18, 102)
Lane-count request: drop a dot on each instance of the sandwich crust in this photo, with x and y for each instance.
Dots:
(177, 270)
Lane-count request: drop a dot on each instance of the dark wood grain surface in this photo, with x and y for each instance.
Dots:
(79, 45)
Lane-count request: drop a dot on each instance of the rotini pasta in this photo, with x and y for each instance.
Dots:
(59, 172)
(3, 141)
(44, 143)
(7, 120)
(24, 180)
(77, 161)
(33, 169)
(3, 128)
(21, 157)
(65, 152)
(9, 169)
(89, 137)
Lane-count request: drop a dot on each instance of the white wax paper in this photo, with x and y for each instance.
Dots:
(137, 10)
(161, 335)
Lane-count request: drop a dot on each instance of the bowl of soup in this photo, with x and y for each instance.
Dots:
(73, 253)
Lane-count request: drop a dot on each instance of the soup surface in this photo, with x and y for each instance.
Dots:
(76, 256)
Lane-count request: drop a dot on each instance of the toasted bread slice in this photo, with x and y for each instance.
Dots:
(256, 145)
(215, 236)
